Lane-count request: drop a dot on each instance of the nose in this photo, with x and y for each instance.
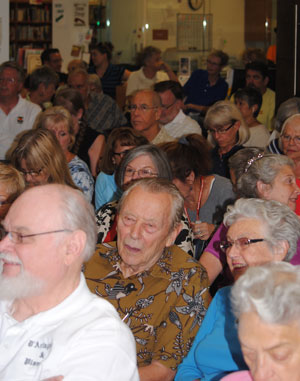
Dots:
(135, 230)
(297, 189)
(135, 175)
(263, 370)
(233, 251)
(5, 243)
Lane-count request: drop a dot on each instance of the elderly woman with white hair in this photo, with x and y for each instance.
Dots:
(227, 132)
(259, 232)
(266, 303)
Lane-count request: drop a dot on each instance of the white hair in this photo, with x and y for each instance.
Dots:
(271, 290)
(281, 222)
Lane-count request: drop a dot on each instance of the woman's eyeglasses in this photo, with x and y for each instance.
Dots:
(241, 243)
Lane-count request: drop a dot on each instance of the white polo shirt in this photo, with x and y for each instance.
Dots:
(182, 125)
(138, 81)
(82, 339)
(19, 119)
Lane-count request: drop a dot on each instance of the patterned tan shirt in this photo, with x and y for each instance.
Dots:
(163, 306)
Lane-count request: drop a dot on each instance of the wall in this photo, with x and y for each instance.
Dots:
(4, 30)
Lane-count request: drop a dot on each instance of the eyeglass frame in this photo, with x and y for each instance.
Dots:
(167, 107)
(31, 173)
(288, 138)
(19, 236)
(225, 245)
(142, 107)
(222, 130)
(121, 153)
(9, 80)
(133, 171)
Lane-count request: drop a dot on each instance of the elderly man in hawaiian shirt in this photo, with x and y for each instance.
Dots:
(158, 290)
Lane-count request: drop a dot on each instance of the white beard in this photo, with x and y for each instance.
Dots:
(20, 286)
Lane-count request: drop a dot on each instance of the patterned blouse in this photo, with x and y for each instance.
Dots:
(82, 177)
(164, 306)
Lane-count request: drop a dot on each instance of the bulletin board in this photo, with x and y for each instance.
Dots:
(194, 32)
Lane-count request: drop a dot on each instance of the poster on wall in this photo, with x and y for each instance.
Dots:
(58, 12)
(80, 13)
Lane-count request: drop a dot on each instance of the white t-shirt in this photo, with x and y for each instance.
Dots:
(182, 125)
(19, 119)
(82, 339)
(138, 81)
(259, 137)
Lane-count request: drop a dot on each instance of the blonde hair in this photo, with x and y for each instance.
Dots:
(226, 112)
(55, 115)
(13, 181)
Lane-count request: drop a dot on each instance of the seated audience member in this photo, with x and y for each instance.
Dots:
(257, 76)
(76, 64)
(253, 55)
(111, 75)
(41, 87)
(265, 176)
(58, 120)
(258, 232)
(16, 113)
(248, 101)
(158, 290)
(227, 131)
(57, 327)
(40, 158)
(266, 305)
(205, 87)
(205, 196)
(94, 83)
(143, 161)
(119, 142)
(12, 184)
(175, 122)
(51, 57)
(101, 111)
(88, 145)
(153, 70)
(145, 111)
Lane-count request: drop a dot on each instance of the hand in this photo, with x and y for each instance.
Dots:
(202, 230)
(56, 378)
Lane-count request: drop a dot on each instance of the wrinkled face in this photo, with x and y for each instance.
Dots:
(140, 167)
(154, 62)
(271, 351)
(10, 86)
(170, 107)
(80, 83)
(256, 80)
(119, 152)
(240, 258)
(62, 134)
(55, 62)
(34, 176)
(143, 228)
(284, 188)
(4, 200)
(214, 65)
(144, 119)
(290, 137)
(225, 136)
(98, 58)
(245, 109)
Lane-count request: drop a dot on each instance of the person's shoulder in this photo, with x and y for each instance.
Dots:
(222, 181)
(76, 161)
(29, 105)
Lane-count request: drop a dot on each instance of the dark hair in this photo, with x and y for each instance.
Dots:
(175, 87)
(15, 66)
(259, 66)
(45, 56)
(104, 48)
(145, 54)
(220, 54)
(70, 99)
(251, 96)
(44, 75)
(190, 153)
(127, 137)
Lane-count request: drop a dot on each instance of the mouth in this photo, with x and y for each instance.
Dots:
(132, 249)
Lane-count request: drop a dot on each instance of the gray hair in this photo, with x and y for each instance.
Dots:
(285, 110)
(271, 290)
(15, 66)
(78, 214)
(159, 185)
(158, 156)
(264, 169)
(226, 112)
(156, 100)
(44, 75)
(281, 222)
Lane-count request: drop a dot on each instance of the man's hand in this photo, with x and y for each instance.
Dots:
(156, 371)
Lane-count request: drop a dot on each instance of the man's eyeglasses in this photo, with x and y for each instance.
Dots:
(167, 107)
(8, 80)
(16, 237)
(221, 130)
(31, 172)
(143, 108)
(288, 138)
(144, 172)
(121, 154)
(241, 243)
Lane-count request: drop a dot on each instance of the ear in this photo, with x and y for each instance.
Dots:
(172, 236)
(79, 113)
(158, 113)
(280, 250)
(263, 190)
(74, 244)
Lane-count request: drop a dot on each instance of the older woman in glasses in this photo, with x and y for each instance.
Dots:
(227, 132)
(259, 232)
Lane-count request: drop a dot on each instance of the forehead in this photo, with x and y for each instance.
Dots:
(246, 227)
(57, 126)
(9, 72)
(77, 78)
(143, 98)
(214, 58)
(141, 162)
(55, 57)
(167, 95)
(285, 170)
(254, 73)
(293, 125)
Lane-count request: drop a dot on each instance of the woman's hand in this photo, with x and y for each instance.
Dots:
(202, 230)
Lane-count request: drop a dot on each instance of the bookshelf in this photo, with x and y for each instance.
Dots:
(30, 25)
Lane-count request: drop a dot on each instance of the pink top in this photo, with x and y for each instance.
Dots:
(244, 375)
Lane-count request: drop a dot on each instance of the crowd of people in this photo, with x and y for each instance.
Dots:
(155, 241)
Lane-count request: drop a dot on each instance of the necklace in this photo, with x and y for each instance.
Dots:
(198, 203)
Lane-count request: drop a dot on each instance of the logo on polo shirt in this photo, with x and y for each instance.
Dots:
(20, 119)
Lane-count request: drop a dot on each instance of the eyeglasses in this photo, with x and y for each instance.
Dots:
(123, 153)
(241, 243)
(144, 172)
(213, 63)
(143, 108)
(288, 138)
(4, 202)
(31, 172)
(221, 130)
(16, 237)
(167, 107)
(8, 80)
